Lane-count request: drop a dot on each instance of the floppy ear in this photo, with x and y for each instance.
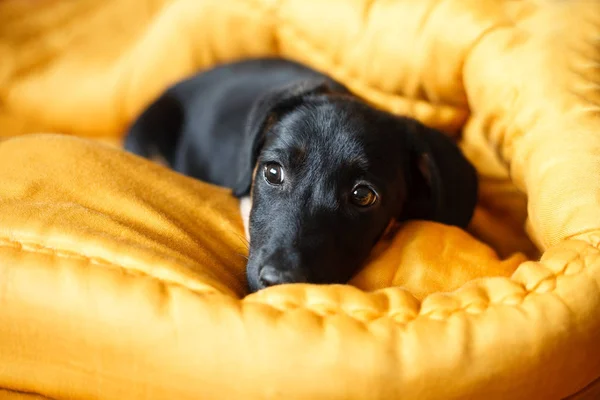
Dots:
(442, 182)
(266, 111)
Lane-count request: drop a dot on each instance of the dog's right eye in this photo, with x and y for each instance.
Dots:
(273, 173)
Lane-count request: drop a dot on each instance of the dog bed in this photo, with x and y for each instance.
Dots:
(120, 279)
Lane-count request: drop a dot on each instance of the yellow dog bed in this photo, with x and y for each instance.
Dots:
(120, 279)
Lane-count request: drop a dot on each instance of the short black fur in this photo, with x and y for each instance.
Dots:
(230, 125)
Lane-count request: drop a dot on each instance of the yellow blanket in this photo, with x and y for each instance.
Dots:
(515, 82)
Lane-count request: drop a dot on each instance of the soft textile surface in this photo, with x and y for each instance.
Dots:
(121, 279)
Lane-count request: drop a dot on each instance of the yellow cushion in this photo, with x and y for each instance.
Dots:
(121, 279)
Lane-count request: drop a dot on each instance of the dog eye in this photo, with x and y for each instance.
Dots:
(363, 196)
(273, 173)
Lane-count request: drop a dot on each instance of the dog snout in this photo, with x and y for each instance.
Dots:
(271, 276)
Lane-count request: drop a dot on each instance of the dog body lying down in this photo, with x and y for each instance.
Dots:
(326, 173)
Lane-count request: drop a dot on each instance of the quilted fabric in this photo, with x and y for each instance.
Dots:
(121, 279)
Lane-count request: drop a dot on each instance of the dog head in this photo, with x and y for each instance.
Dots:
(327, 174)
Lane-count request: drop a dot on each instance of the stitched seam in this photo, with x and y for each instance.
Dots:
(583, 232)
(37, 248)
(38, 395)
(435, 314)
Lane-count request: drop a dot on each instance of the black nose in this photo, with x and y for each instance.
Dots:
(271, 276)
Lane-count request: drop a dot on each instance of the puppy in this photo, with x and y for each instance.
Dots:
(324, 174)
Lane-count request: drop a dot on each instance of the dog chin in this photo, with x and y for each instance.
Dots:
(252, 277)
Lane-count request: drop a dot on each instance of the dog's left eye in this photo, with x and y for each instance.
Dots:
(273, 173)
(363, 196)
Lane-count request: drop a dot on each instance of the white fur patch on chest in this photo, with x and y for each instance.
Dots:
(245, 207)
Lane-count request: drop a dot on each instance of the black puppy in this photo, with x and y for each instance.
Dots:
(326, 172)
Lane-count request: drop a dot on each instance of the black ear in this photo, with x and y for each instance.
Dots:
(442, 183)
(265, 112)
